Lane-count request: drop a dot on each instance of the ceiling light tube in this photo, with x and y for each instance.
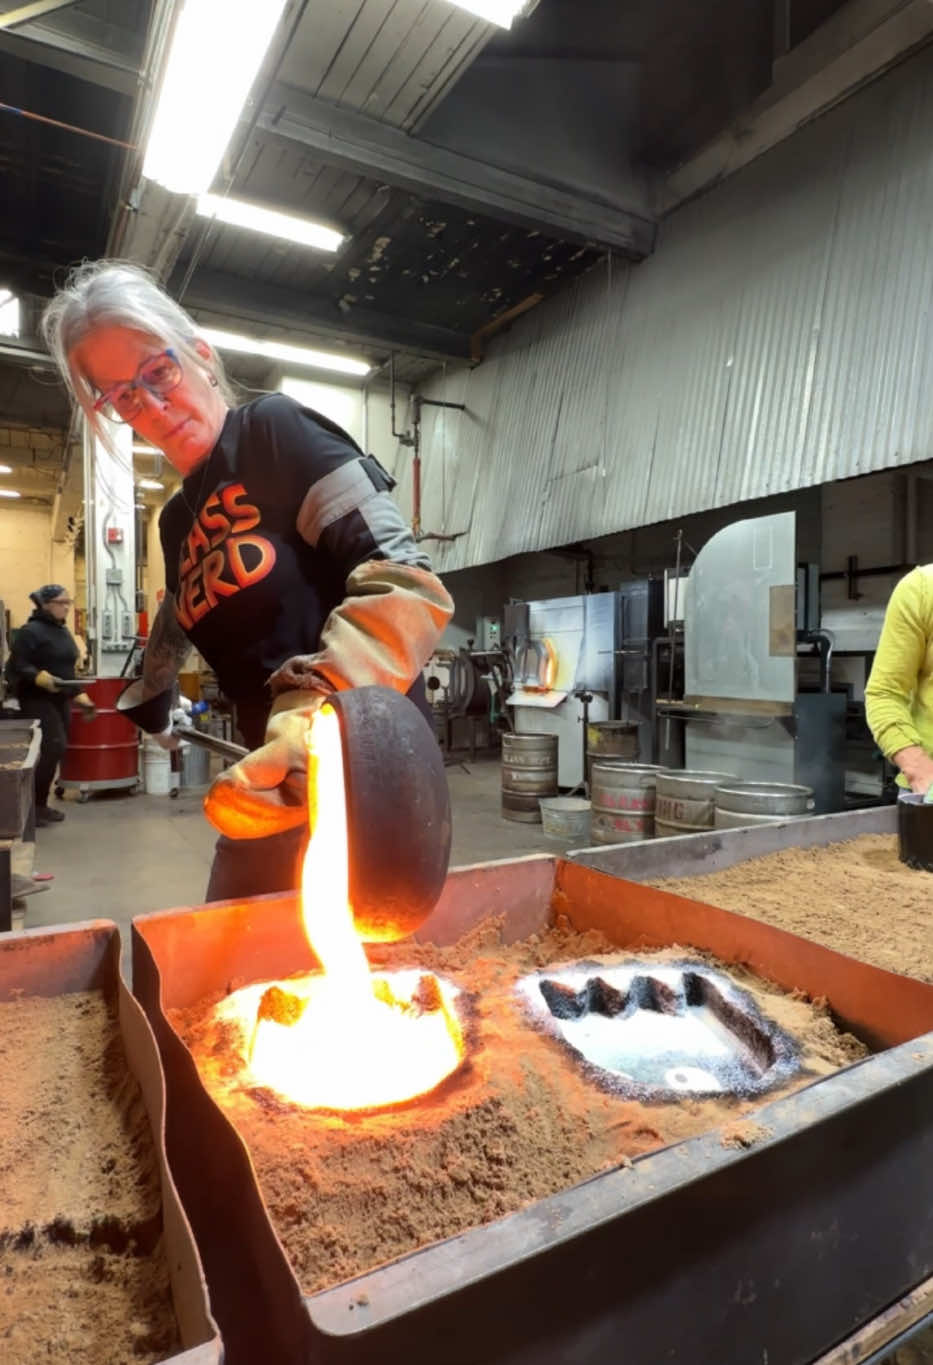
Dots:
(6, 469)
(255, 218)
(150, 483)
(218, 47)
(146, 450)
(278, 350)
(9, 493)
(500, 12)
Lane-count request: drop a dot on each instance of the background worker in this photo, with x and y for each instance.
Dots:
(287, 564)
(40, 668)
(899, 692)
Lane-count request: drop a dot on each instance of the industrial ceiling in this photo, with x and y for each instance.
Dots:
(472, 169)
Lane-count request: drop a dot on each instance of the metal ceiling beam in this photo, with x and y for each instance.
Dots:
(344, 138)
(34, 11)
(87, 62)
(27, 48)
(273, 307)
(856, 44)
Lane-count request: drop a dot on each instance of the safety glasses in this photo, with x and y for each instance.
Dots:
(158, 376)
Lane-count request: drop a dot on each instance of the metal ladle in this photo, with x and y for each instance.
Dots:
(398, 805)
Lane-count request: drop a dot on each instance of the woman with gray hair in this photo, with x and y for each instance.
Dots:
(287, 564)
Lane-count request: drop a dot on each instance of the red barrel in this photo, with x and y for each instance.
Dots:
(103, 752)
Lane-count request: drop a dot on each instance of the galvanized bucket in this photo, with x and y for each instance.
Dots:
(686, 801)
(741, 804)
(566, 818)
(623, 799)
(529, 771)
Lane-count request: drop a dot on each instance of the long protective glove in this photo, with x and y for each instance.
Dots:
(46, 681)
(267, 791)
(88, 709)
(383, 631)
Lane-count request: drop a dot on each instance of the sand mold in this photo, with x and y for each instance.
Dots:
(518, 1122)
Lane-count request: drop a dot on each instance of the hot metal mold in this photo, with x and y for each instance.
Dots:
(661, 1032)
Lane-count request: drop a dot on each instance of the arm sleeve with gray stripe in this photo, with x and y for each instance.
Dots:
(394, 608)
(351, 517)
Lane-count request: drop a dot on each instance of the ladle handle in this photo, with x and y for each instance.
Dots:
(224, 747)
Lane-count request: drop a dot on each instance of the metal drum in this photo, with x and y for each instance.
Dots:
(686, 801)
(623, 800)
(612, 739)
(103, 752)
(741, 804)
(529, 771)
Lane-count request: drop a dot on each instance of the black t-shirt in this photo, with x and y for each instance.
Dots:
(261, 538)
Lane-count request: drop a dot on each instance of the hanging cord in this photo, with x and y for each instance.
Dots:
(68, 127)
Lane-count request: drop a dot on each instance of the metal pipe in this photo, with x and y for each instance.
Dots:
(824, 641)
(418, 402)
(225, 747)
(416, 466)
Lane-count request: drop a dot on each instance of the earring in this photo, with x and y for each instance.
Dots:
(213, 380)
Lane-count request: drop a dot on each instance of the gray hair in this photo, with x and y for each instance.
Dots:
(118, 294)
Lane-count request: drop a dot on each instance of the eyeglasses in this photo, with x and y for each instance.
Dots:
(158, 376)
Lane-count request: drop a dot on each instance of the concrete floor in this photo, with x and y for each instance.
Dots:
(121, 855)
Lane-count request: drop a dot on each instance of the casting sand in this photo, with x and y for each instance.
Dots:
(83, 1274)
(518, 1122)
(856, 897)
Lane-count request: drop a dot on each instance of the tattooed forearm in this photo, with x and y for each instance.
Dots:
(166, 650)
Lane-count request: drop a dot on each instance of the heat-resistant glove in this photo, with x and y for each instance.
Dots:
(383, 631)
(88, 709)
(267, 791)
(46, 681)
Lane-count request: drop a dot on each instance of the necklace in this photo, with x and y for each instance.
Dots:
(200, 493)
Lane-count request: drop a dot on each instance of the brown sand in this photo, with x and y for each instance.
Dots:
(82, 1270)
(516, 1123)
(856, 897)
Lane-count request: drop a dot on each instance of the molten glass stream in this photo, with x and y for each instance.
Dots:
(343, 1038)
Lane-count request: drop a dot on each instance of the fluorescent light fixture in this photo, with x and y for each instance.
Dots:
(255, 218)
(218, 48)
(6, 469)
(9, 493)
(146, 450)
(150, 483)
(9, 314)
(500, 12)
(278, 350)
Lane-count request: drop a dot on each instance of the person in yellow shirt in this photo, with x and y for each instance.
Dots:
(899, 692)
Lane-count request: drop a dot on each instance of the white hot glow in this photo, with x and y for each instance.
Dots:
(501, 12)
(6, 469)
(152, 484)
(279, 350)
(9, 493)
(361, 1042)
(216, 52)
(255, 218)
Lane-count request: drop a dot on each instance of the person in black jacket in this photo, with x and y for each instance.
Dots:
(287, 563)
(41, 665)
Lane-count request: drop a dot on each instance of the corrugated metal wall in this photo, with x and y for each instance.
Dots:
(781, 336)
